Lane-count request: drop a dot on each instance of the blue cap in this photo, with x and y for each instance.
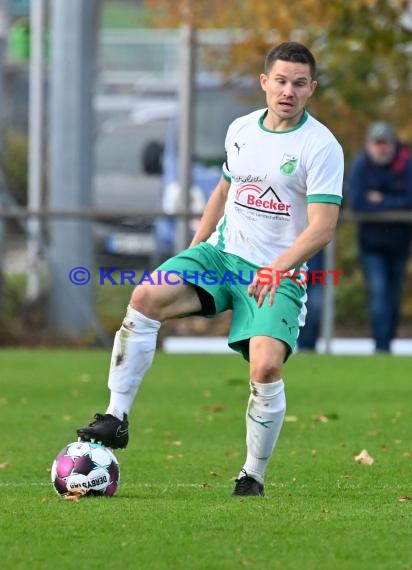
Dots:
(381, 131)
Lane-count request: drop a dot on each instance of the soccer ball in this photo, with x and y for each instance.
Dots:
(85, 468)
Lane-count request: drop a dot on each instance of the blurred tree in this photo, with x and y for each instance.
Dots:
(364, 54)
(363, 48)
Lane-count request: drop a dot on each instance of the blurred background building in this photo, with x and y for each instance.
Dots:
(117, 90)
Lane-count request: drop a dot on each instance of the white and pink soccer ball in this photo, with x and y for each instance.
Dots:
(85, 468)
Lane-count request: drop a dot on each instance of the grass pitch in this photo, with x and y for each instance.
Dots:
(173, 509)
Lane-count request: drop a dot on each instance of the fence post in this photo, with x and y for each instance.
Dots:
(36, 101)
(3, 49)
(328, 309)
(186, 131)
(72, 71)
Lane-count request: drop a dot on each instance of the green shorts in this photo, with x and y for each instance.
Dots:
(225, 279)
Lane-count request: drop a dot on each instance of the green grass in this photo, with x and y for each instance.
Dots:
(173, 509)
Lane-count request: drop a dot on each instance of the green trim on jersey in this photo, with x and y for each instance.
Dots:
(325, 199)
(226, 176)
(303, 120)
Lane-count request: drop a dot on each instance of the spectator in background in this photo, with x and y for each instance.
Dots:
(310, 333)
(380, 180)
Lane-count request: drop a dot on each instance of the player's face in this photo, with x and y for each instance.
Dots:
(288, 86)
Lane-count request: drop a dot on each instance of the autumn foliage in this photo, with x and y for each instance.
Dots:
(363, 48)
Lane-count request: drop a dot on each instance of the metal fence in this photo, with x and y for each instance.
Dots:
(21, 215)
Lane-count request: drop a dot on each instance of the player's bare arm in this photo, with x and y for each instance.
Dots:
(322, 220)
(213, 212)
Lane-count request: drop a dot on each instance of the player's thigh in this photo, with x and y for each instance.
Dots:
(280, 321)
(162, 300)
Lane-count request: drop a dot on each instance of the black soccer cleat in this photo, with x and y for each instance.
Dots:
(248, 487)
(106, 430)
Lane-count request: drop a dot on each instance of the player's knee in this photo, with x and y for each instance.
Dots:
(265, 370)
(143, 299)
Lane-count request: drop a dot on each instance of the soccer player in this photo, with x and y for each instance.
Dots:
(275, 206)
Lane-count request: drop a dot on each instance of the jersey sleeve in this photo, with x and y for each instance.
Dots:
(226, 172)
(325, 175)
(228, 141)
(234, 128)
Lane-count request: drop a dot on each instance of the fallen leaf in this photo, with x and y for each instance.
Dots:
(291, 419)
(320, 418)
(176, 443)
(324, 418)
(75, 495)
(215, 474)
(404, 498)
(364, 458)
(205, 484)
(407, 454)
(216, 408)
(72, 497)
(44, 500)
(5, 465)
(232, 453)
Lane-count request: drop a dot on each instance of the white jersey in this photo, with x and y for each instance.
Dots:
(274, 175)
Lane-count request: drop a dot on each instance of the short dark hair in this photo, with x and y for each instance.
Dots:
(291, 51)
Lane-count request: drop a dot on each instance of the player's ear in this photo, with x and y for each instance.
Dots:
(263, 80)
(313, 86)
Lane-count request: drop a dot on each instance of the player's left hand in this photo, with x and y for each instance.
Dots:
(262, 286)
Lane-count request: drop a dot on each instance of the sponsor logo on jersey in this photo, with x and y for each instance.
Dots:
(249, 178)
(251, 196)
(288, 164)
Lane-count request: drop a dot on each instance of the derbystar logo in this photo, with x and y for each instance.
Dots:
(251, 196)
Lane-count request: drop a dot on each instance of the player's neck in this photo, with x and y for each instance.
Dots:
(273, 122)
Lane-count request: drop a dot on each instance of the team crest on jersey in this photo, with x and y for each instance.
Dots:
(288, 164)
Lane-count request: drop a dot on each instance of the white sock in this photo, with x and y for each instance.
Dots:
(264, 420)
(133, 350)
